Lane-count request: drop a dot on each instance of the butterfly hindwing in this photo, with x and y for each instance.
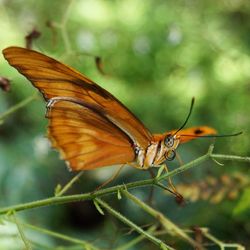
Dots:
(85, 139)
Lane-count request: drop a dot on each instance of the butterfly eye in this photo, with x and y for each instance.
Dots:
(169, 141)
(170, 155)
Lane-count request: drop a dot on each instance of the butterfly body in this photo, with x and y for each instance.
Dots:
(87, 124)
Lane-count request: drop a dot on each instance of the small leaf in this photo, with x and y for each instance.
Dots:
(160, 171)
(2, 222)
(99, 209)
(58, 189)
(10, 213)
(119, 196)
(163, 247)
(243, 204)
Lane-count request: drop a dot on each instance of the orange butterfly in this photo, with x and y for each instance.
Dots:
(88, 125)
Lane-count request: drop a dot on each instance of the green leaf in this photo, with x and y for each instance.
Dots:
(160, 171)
(58, 189)
(243, 204)
(119, 196)
(99, 209)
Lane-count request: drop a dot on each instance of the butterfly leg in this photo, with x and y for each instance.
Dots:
(110, 179)
(178, 196)
(178, 157)
(170, 180)
(151, 192)
(134, 165)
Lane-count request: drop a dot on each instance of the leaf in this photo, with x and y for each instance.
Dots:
(119, 196)
(243, 205)
(99, 209)
(58, 189)
(160, 171)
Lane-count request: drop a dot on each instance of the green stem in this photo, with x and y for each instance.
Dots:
(111, 190)
(184, 167)
(221, 244)
(69, 184)
(21, 233)
(230, 158)
(135, 241)
(167, 224)
(64, 29)
(57, 235)
(18, 106)
(74, 198)
(122, 218)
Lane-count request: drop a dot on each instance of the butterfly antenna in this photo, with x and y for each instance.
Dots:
(185, 122)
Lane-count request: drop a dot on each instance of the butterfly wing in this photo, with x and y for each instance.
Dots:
(85, 139)
(187, 134)
(55, 79)
(192, 133)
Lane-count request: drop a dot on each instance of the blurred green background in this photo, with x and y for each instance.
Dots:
(156, 55)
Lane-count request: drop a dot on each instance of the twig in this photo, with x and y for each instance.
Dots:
(122, 218)
(22, 235)
(135, 241)
(111, 190)
(18, 106)
(69, 184)
(57, 235)
(230, 158)
(221, 244)
(167, 224)
(63, 28)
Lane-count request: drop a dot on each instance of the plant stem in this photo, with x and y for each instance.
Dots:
(111, 190)
(167, 224)
(122, 218)
(135, 241)
(69, 184)
(74, 198)
(64, 29)
(17, 106)
(21, 233)
(230, 157)
(184, 167)
(221, 244)
(57, 235)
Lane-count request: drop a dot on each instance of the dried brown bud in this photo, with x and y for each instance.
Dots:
(34, 34)
(5, 84)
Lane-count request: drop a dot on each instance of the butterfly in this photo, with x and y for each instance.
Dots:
(88, 125)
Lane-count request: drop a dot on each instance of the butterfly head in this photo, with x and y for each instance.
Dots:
(171, 142)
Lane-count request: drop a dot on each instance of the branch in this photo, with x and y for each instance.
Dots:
(130, 244)
(230, 158)
(122, 218)
(55, 234)
(166, 223)
(221, 244)
(115, 189)
(18, 106)
(21, 233)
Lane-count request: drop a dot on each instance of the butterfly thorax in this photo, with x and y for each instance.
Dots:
(159, 150)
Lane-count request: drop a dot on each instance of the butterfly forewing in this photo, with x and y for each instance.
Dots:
(55, 79)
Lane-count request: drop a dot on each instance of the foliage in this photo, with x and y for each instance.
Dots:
(155, 56)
